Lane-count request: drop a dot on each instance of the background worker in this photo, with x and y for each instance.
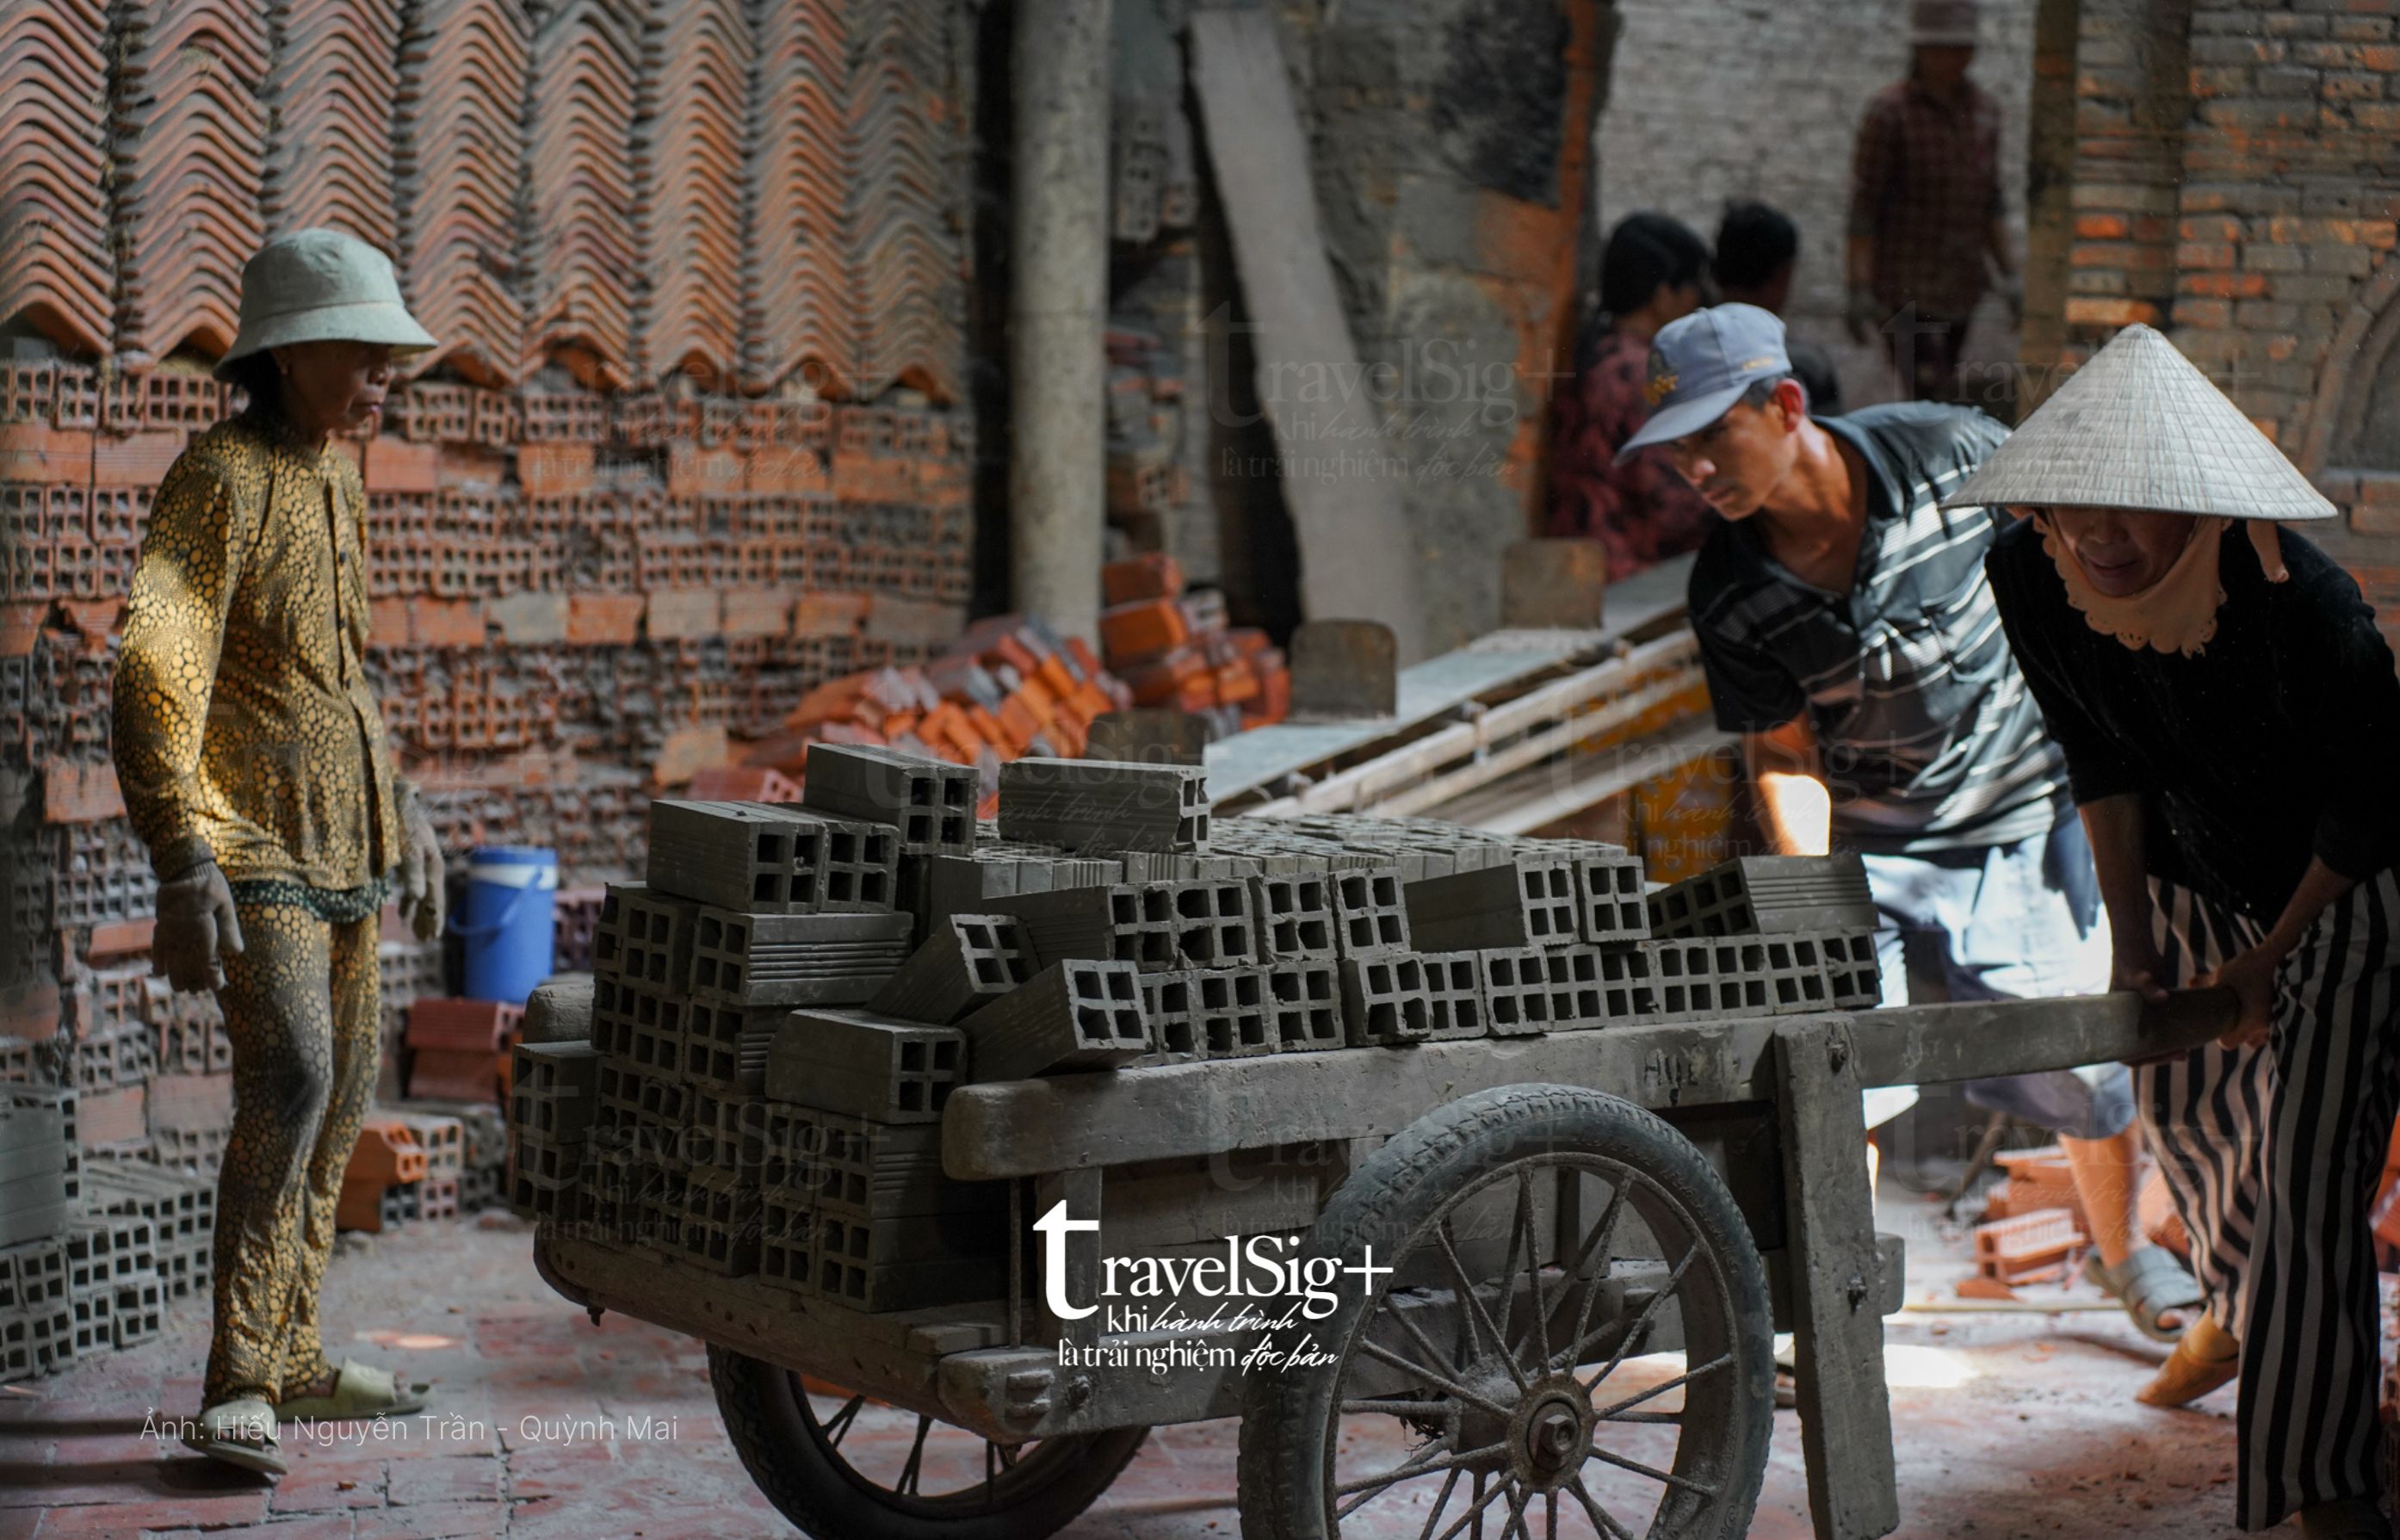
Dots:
(1925, 206)
(1653, 270)
(256, 770)
(1849, 636)
(2230, 719)
(1758, 252)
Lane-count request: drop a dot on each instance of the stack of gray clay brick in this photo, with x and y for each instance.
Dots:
(483, 1131)
(37, 1314)
(553, 1095)
(179, 1208)
(1824, 898)
(779, 1015)
(860, 1213)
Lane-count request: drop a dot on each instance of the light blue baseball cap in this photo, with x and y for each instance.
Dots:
(1701, 365)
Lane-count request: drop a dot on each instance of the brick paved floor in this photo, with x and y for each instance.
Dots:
(2009, 1426)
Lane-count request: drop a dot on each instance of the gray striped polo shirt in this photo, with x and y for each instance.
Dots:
(1930, 737)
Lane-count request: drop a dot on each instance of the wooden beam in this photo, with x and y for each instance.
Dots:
(1064, 1122)
(1830, 1269)
(1358, 558)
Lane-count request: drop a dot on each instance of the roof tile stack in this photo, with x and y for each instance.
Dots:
(903, 202)
(191, 162)
(457, 155)
(586, 63)
(795, 277)
(53, 179)
(330, 162)
(694, 152)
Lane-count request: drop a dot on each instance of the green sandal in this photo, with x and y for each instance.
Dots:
(238, 1432)
(2148, 1283)
(360, 1393)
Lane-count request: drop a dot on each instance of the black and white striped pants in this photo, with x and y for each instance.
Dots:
(2273, 1155)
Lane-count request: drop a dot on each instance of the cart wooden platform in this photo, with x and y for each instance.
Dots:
(1548, 1207)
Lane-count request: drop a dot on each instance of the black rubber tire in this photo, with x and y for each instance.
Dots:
(1285, 1463)
(809, 1485)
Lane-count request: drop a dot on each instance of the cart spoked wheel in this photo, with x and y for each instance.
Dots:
(848, 1467)
(1509, 1378)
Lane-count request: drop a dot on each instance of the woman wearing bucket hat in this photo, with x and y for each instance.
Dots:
(2231, 717)
(255, 768)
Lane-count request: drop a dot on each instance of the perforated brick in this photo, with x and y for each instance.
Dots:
(1168, 1000)
(1384, 999)
(1454, 996)
(1611, 902)
(1531, 902)
(736, 855)
(1854, 974)
(656, 939)
(930, 803)
(1516, 991)
(1304, 1004)
(1073, 1015)
(1294, 915)
(861, 867)
(1768, 896)
(755, 959)
(850, 1062)
(1367, 912)
(1230, 1011)
(1104, 805)
(968, 961)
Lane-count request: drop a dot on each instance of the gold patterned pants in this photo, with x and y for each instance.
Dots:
(300, 1005)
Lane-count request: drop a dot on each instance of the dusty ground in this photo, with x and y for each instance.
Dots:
(2007, 1427)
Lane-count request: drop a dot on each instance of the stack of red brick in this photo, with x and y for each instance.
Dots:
(1010, 688)
(2035, 1229)
(458, 1049)
(1175, 648)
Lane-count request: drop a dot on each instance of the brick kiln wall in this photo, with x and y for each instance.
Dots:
(1715, 101)
(693, 442)
(2237, 181)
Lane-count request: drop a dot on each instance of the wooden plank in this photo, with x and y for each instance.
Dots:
(1176, 1110)
(1357, 559)
(1242, 764)
(1831, 1270)
(1542, 794)
(1535, 724)
(883, 1355)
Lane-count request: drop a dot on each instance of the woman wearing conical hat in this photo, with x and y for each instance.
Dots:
(2231, 721)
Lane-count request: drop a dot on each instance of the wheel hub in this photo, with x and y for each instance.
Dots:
(1550, 1433)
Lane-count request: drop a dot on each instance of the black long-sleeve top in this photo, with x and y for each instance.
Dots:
(2279, 742)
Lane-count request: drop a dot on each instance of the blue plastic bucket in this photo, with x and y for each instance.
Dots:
(508, 920)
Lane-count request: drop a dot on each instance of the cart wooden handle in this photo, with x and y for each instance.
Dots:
(2184, 1020)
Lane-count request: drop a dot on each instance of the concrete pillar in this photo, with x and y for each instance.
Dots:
(1058, 308)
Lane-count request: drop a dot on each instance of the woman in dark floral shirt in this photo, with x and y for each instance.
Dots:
(1653, 272)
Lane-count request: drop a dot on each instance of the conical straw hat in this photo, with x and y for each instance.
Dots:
(2139, 426)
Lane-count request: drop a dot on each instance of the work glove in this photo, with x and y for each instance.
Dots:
(1862, 315)
(196, 930)
(422, 885)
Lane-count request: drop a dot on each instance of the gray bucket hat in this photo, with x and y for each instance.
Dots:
(2140, 426)
(321, 286)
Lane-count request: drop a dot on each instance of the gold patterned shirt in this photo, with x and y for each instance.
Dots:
(244, 724)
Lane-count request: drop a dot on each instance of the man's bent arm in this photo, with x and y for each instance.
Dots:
(1795, 812)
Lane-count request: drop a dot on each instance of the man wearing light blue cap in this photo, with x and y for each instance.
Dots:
(1849, 636)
